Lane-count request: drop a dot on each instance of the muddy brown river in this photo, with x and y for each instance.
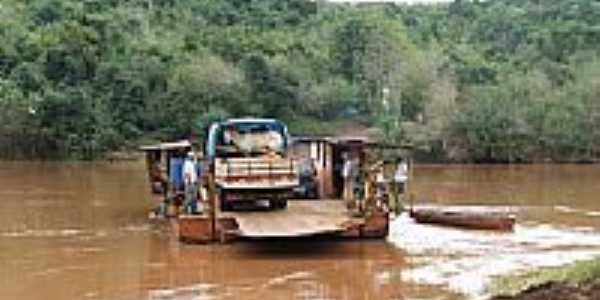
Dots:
(81, 231)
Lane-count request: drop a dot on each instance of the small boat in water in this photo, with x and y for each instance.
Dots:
(469, 219)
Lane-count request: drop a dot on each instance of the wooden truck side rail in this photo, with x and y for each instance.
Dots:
(259, 169)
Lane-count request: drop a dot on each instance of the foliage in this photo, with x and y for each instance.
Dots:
(576, 273)
(499, 81)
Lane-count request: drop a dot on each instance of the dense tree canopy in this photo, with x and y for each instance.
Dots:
(497, 80)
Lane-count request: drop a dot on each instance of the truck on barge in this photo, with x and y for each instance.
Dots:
(249, 160)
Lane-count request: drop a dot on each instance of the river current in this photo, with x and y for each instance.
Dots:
(81, 231)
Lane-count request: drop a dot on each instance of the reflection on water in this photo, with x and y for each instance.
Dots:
(79, 231)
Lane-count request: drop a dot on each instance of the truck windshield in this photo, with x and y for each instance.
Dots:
(242, 139)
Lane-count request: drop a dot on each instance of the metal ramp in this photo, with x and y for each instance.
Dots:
(301, 218)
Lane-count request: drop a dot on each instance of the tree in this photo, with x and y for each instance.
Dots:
(202, 85)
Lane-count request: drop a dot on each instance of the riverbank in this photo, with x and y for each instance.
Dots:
(559, 291)
(580, 281)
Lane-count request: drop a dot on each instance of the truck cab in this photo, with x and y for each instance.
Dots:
(251, 162)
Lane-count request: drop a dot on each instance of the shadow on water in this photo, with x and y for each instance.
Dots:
(322, 247)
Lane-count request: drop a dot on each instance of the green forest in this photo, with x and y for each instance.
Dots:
(466, 81)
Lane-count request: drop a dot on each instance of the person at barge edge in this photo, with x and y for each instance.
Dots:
(190, 176)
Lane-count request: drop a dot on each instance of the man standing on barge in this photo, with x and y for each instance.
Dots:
(190, 177)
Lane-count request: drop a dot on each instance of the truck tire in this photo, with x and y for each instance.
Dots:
(224, 205)
(278, 204)
(283, 204)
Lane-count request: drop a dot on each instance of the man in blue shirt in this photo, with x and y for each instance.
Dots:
(176, 173)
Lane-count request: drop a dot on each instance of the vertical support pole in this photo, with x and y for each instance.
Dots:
(407, 188)
(168, 157)
(409, 176)
(212, 196)
(168, 195)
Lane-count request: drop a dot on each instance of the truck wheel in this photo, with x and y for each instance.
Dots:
(283, 204)
(225, 205)
(278, 204)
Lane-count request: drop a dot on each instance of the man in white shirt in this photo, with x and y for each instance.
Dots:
(401, 175)
(190, 179)
(400, 179)
(347, 170)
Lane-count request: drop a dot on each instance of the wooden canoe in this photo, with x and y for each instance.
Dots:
(470, 220)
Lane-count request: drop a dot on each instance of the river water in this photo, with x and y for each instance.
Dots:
(80, 231)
